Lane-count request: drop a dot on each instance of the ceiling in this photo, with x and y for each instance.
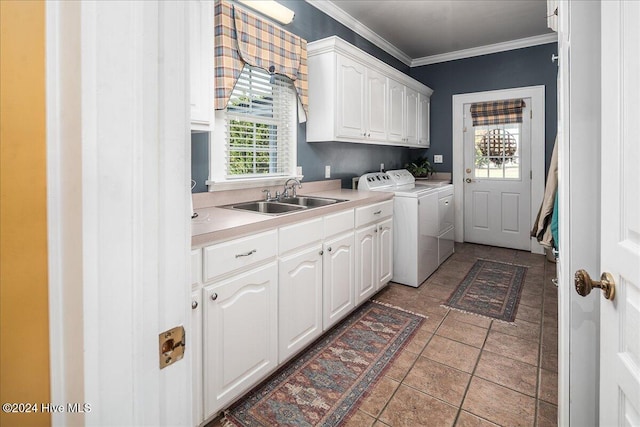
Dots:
(419, 32)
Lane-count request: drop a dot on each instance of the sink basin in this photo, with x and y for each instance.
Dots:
(284, 205)
(272, 208)
(310, 202)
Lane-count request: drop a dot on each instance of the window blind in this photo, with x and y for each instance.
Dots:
(258, 120)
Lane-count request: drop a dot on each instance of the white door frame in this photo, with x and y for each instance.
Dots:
(536, 93)
(579, 168)
(118, 157)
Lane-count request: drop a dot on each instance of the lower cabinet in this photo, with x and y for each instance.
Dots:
(300, 296)
(338, 278)
(240, 334)
(267, 296)
(374, 258)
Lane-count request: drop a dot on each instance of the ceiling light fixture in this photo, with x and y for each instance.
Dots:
(272, 9)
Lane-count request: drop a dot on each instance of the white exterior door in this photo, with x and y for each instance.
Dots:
(497, 183)
(620, 215)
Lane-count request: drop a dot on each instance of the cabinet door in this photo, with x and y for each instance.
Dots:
(196, 355)
(424, 112)
(385, 252)
(300, 301)
(411, 119)
(396, 111)
(350, 99)
(338, 279)
(376, 108)
(366, 263)
(240, 334)
(201, 64)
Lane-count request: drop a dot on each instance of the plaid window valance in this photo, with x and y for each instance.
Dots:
(242, 38)
(497, 112)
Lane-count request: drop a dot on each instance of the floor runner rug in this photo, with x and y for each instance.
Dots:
(491, 289)
(323, 386)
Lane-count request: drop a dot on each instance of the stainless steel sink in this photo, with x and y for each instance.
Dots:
(272, 208)
(284, 205)
(310, 202)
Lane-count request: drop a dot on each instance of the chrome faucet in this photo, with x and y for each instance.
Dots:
(291, 187)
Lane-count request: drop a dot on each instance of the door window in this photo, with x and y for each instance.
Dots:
(497, 151)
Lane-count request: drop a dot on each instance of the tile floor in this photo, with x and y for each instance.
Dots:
(464, 370)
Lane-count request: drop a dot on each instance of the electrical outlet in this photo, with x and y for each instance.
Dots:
(437, 158)
(327, 171)
(381, 167)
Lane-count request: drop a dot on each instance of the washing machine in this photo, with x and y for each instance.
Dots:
(416, 223)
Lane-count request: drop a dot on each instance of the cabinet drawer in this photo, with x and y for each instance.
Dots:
(196, 268)
(236, 254)
(338, 222)
(298, 235)
(368, 214)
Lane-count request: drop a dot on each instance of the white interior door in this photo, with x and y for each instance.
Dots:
(497, 185)
(620, 250)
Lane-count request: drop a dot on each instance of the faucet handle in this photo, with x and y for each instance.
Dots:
(267, 197)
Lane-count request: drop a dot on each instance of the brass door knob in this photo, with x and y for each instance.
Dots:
(468, 180)
(584, 284)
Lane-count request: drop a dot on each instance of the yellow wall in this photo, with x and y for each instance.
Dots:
(24, 325)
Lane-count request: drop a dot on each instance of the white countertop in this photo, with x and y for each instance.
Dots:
(216, 224)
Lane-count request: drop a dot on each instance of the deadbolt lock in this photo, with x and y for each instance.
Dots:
(171, 344)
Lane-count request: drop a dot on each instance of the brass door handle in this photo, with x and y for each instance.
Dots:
(584, 284)
(468, 180)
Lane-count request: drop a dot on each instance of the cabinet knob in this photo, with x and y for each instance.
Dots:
(214, 297)
(329, 249)
(194, 305)
(321, 252)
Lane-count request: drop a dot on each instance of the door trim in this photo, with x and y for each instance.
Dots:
(536, 93)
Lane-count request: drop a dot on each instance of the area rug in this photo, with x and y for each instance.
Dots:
(324, 385)
(491, 289)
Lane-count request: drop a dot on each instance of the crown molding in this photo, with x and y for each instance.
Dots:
(484, 50)
(330, 9)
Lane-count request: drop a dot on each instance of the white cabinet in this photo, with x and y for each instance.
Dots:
(376, 106)
(411, 119)
(350, 99)
(374, 250)
(338, 278)
(354, 97)
(201, 64)
(396, 112)
(299, 287)
(240, 334)
(424, 118)
(361, 101)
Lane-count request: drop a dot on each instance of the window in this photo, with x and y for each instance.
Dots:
(257, 139)
(497, 151)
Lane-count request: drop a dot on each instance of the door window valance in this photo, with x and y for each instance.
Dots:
(243, 38)
(497, 112)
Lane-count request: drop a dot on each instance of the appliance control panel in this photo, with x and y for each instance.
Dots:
(401, 177)
(375, 181)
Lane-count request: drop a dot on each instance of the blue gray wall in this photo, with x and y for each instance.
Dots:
(523, 67)
(515, 68)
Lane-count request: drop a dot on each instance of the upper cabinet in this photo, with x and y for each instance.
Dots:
(354, 97)
(201, 64)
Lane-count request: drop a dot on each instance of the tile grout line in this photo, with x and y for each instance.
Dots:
(377, 418)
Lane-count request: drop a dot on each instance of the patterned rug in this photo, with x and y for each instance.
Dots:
(491, 289)
(322, 387)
